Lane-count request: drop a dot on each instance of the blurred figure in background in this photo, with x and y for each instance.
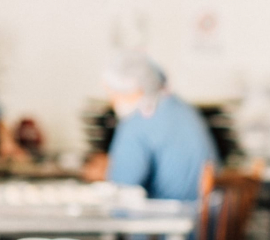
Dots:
(30, 138)
(9, 150)
(161, 142)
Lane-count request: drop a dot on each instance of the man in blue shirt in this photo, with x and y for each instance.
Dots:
(161, 142)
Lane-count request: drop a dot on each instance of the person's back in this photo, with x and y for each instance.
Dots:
(164, 153)
(161, 142)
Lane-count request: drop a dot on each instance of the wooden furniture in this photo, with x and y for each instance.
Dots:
(207, 185)
(240, 190)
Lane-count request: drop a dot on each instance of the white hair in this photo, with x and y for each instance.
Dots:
(130, 71)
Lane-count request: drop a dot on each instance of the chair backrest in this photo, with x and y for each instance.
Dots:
(240, 192)
(206, 187)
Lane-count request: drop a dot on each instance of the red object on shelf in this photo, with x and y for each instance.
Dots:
(28, 135)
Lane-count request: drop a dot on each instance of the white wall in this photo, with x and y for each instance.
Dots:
(52, 54)
(53, 68)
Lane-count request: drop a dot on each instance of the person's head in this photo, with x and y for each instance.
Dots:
(131, 77)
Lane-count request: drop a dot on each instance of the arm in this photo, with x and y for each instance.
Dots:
(95, 168)
(129, 157)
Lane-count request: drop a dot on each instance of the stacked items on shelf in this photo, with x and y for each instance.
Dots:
(220, 119)
(100, 122)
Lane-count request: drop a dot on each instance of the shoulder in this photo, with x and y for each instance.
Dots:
(174, 107)
(129, 129)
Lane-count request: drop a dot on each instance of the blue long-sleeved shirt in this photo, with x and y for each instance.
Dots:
(164, 153)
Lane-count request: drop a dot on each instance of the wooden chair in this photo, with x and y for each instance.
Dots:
(206, 187)
(240, 190)
(240, 193)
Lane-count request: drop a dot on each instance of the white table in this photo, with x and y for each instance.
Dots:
(155, 217)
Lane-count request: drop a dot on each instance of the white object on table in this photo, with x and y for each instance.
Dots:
(25, 220)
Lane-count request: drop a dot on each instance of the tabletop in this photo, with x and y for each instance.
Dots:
(152, 217)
